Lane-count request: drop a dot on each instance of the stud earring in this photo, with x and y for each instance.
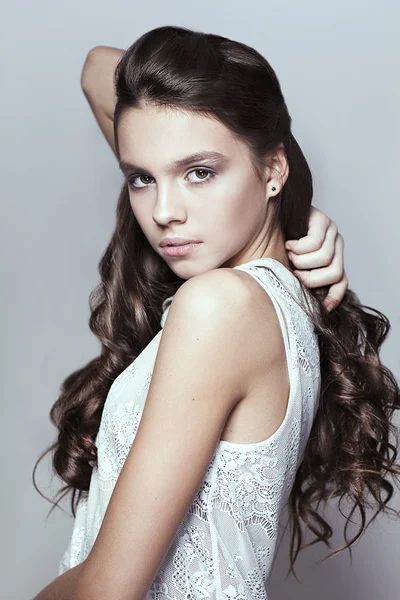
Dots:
(273, 189)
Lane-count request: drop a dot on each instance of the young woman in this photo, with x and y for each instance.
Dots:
(185, 443)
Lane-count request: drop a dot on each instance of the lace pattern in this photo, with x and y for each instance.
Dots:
(225, 546)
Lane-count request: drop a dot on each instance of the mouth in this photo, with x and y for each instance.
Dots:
(180, 249)
(178, 242)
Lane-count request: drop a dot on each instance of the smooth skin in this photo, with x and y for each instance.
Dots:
(190, 411)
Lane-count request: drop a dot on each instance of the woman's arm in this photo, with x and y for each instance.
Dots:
(63, 587)
(97, 85)
(210, 325)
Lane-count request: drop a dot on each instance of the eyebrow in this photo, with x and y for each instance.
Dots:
(128, 167)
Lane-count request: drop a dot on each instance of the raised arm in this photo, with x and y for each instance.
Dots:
(97, 85)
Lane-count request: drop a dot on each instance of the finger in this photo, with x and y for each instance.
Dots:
(336, 294)
(329, 275)
(317, 227)
(320, 258)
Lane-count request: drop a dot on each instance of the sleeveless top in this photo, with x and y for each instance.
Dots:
(226, 544)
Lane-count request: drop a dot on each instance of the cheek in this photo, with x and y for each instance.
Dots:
(138, 209)
(142, 217)
(234, 209)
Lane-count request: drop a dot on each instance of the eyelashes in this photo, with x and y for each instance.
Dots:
(135, 188)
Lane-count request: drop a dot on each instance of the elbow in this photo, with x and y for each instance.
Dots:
(89, 66)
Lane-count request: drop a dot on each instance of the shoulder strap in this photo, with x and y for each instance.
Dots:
(257, 269)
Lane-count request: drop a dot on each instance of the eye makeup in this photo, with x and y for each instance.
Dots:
(136, 188)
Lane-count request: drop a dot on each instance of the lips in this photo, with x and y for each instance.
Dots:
(177, 242)
(181, 250)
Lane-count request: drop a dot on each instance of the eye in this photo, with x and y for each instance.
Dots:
(200, 170)
(132, 179)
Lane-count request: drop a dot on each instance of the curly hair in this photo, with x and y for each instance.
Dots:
(349, 453)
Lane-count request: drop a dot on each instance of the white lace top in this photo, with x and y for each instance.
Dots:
(226, 544)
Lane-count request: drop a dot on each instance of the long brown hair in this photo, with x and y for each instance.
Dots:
(349, 452)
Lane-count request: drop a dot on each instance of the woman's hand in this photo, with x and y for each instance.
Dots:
(319, 257)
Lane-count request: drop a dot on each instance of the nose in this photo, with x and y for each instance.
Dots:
(169, 206)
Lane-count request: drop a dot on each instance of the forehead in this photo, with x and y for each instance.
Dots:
(149, 134)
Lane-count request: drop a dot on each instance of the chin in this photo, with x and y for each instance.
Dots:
(187, 270)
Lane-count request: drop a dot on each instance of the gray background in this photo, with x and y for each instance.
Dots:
(337, 65)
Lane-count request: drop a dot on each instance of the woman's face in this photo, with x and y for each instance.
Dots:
(218, 200)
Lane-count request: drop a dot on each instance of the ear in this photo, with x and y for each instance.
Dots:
(278, 171)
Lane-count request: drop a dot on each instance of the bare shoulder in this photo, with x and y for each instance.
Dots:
(217, 293)
(233, 316)
(230, 296)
